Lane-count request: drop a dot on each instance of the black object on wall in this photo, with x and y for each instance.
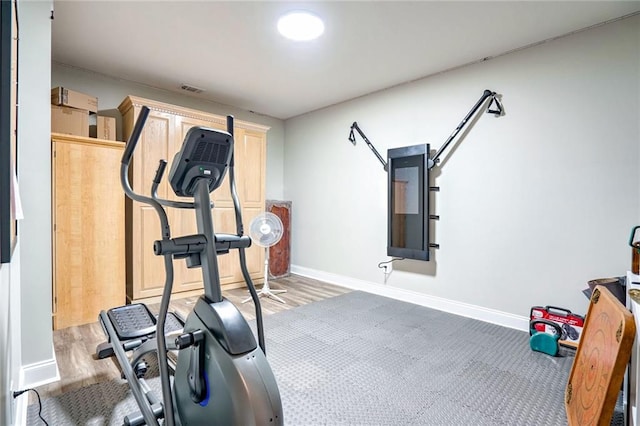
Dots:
(7, 148)
(494, 107)
(352, 139)
(408, 202)
(408, 186)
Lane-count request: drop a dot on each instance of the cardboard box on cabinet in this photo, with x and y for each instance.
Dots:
(63, 96)
(70, 121)
(105, 128)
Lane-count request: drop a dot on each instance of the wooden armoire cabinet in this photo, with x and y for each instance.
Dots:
(162, 138)
(88, 228)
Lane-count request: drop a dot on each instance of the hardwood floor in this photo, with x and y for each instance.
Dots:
(75, 346)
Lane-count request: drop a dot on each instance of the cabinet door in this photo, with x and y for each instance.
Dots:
(88, 238)
(165, 130)
(224, 220)
(148, 271)
(255, 253)
(250, 152)
(184, 220)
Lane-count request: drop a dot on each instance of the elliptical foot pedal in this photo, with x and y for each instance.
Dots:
(173, 324)
(132, 321)
(104, 350)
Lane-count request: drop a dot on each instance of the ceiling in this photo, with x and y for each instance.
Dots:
(232, 49)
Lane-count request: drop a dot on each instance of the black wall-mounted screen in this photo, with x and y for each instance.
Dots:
(408, 202)
(8, 227)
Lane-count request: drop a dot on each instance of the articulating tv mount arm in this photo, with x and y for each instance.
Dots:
(352, 139)
(491, 109)
(497, 111)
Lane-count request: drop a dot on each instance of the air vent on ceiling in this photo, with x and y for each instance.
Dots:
(191, 89)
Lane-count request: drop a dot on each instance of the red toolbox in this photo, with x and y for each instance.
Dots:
(570, 323)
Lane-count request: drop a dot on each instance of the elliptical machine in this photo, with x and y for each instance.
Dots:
(221, 374)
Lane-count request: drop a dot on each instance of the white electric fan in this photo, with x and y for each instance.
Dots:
(266, 230)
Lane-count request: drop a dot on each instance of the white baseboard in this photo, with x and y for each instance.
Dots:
(39, 373)
(493, 316)
(32, 376)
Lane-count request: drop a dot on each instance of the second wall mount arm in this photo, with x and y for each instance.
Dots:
(497, 111)
(494, 107)
(352, 139)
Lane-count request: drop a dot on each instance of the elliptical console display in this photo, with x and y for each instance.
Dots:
(205, 154)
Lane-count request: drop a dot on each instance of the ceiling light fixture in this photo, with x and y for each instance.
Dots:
(300, 26)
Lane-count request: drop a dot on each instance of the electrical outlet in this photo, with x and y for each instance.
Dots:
(387, 268)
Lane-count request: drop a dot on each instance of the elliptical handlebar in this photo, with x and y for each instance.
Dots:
(241, 250)
(126, 159)
(130, 147)
(135, 135)
(167, 400)
(160, 172)
(124, 169)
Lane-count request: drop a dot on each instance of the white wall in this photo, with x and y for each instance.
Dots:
(34, 175)
(5, 347)
(10, 349)
(25, 283)
(532, 205)
(111, 92)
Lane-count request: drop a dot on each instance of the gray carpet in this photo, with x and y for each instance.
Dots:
(362, 359)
